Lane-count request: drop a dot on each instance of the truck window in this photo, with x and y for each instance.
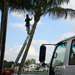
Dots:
(59, 55)
(72, 54)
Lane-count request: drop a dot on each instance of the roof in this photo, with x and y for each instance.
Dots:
(34, 63)
(38, 64)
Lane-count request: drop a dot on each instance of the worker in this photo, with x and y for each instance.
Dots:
(27, 20)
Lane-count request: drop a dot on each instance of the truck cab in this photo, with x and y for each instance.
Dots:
(63, 58)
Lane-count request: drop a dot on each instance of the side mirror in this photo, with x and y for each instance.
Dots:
(42, 53)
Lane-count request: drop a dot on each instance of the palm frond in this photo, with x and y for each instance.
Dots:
(55, 3)
(59, 12)
(35, 5)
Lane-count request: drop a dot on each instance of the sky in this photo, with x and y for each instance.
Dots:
(48, 30)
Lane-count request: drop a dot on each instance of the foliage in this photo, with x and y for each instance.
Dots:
(37, 68)
(42, 7)
(30, 61)
(57, 62)
(33, 60)
(18, 64)
(20, 4)
(8, 64)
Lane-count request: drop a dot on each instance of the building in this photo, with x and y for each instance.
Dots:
(33, 67)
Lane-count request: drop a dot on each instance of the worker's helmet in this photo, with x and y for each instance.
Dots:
(27, 15)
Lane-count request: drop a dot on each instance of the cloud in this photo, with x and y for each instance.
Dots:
(12, 53)
(40, 23)
(72, 20)
(19, 25)
(18, 15)
(37, 42)
(66, 35)
(50, 49)
(32, 52)
(32, 22)
(73, 28)
(22, 25)
(71, 4)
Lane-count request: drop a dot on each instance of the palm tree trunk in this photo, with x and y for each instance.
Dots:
(1, 41)
(2, 10)
(3, 33)
(27, 48)
(0, 45)
(1, 27)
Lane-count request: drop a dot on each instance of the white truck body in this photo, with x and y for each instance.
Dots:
(63, 58)
(68, 66)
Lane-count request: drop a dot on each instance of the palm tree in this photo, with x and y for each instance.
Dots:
(4, 9)
(1, 3)
(4, 4)
(43, 7)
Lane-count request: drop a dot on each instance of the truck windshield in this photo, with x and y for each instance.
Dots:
(58, 57)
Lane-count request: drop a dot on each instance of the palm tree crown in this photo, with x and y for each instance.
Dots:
(42, 7)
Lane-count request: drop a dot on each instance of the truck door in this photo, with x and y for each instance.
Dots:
(57, 62)
(70, 68)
